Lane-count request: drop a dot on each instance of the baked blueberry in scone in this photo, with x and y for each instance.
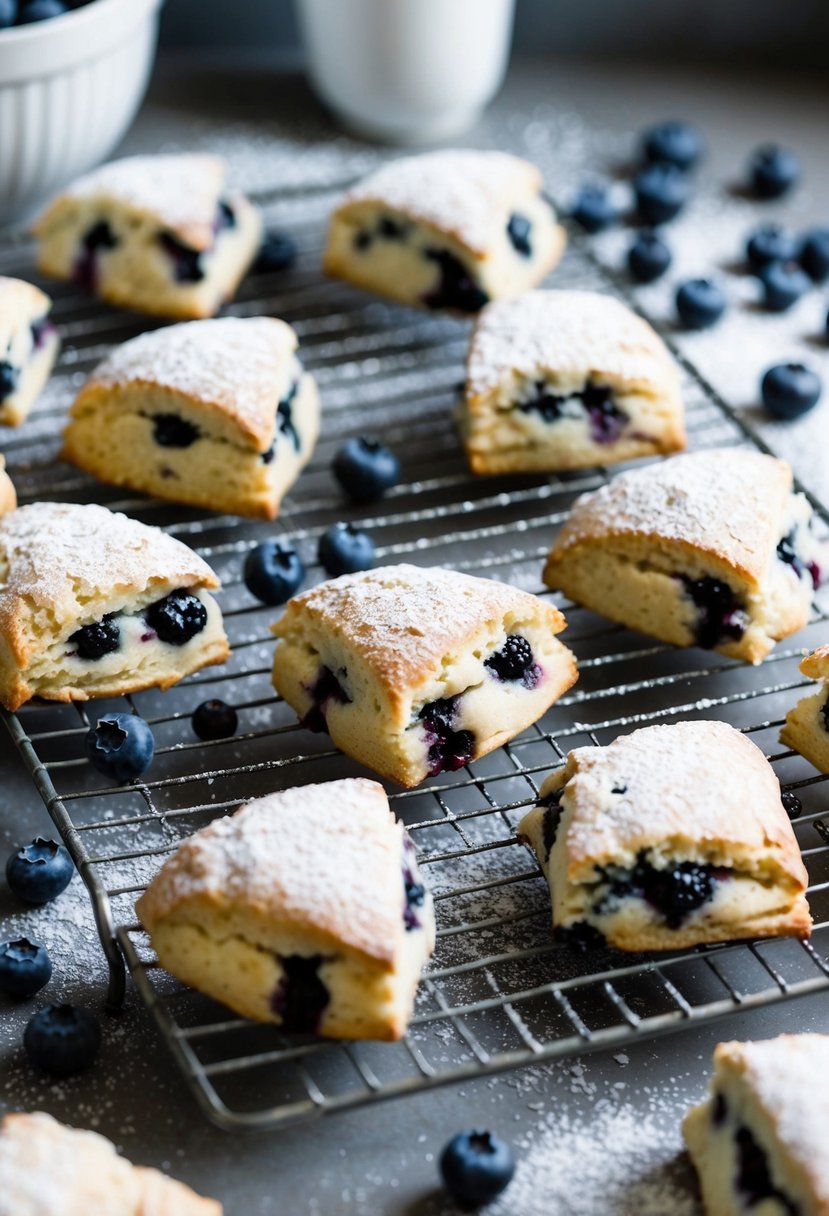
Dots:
(446, 230)
(304, 908)
(161, 234)
(216, 413)
(49, 1169)
(758, 1142)
(28, 347)
(415, 672)
(667, 838)
(567, 380)
(710, 549)
(94, 604)
(806, 728)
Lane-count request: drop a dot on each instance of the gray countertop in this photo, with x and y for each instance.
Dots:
(570, 116)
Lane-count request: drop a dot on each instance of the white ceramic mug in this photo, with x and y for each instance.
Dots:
(408, 71)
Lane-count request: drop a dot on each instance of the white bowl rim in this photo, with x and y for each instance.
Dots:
(28, 52)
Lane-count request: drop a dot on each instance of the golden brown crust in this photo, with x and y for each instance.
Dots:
(816, 664)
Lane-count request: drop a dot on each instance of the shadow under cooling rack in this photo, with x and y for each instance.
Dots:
(498, 992)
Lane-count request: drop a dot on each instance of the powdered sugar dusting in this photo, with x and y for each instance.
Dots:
(566, 331)
(464, 192)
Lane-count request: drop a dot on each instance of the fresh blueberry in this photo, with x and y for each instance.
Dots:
(62, 1039)
(673, 143)
(41, 10)
(593, 208)
(791, 805)
(120, 746)
(783, 285)
(177, 618)
(273, 572)
(700, 303)
(365, 469)
(8, 13)
(344, 549)
(278, 251)
(814, 254)
(661, 193)
(38, 872)
(8, 379)
(215, 719)
(648, 257)
(769, 243)
(773, 171)
(93, 641)
(476, 1166)
(790, 390)
(25, 967)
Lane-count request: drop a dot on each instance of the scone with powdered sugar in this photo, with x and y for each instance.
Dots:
(644, 849)
(94, 604)
(28, 347)
(567, 380)
(446, 230)
(304, 908)
(216, 413)
(758, 1142)
(710, 549)
(161, 234)
(806, 728)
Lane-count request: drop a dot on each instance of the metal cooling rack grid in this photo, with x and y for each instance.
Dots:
(499, 993)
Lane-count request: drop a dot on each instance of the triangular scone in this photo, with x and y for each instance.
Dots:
(415, 672)
(758, 1142)
(94, 604)
(710, 549)
(216, 413)
(305, 908)
(446, 230)
(29, 344)
(48, 1169)
(806, 728)
(669, 837)
(8, 496)
(161, 234)
(567, 380)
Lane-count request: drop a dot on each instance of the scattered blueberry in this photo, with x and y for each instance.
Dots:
(365, 469)
(177, 618)
(700, 303)
(790, 390)
(25, 967)
(769, 243)
(120, 746)
(673, 143)
(814, 254)
(476, 1166)
(273, 572)
(791, 805)
(661, 193)
(278, 251)
(648, 257)
(40, 10)
(344, 549)
(38, 872)
(62, 1039)
(593, 208)
(8, 13)
(783, 285)
(215, 719)
(773, 171)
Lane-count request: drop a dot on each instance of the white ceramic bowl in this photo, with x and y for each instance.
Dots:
(69, 88)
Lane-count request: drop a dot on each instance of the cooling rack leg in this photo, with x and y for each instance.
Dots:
(117, 986)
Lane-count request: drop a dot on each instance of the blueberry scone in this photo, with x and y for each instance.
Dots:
(642, 848)
(709, 549)
(758, 1142)
(8, 496)
(28, 347)
(304, 908)
(446, 230)
(567, 380)
(160, 234)
(415, 672)
(49, 1169)
(94, 604)
(216, 413)
(806, 728)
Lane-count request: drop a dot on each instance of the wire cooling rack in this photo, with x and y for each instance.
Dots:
(499, 992)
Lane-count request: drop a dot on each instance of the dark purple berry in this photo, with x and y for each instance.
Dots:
(648, 257)
(476, 1167)
(674, 143)
(791, 804)
(345, 549)
(215, 719)
(93, 641)
(278, 251)
(365, 469)
(814, 254)
(700, 303)
(769, 243)
(514, 661)
(273, 572)
(300, 998)
(773, 171)
(25, 967)
(173, 431)
(593, 208)
(784, 283)
(790, 390)
(62, 1039)
(120, 746)
(38, 872)
(177, 618)
(518, 231)
(456, 289)
(662, 190)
